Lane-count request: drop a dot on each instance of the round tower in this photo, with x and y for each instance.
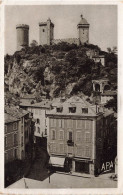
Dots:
(83, 28)
(22, 36)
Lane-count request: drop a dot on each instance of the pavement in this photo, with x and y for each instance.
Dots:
(60, 180)
(39, 178)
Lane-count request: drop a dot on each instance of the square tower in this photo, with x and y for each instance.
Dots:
(46, 32)
(83, 27)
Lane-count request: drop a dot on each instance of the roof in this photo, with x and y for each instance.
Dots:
(15, 112)
(9, 118)
(28, 96)
(42, 104)
(83, 21)
(109, 93)
(79, 103)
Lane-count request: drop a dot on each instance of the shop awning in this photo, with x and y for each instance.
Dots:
(57, 161)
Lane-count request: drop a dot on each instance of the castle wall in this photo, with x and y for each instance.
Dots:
(69, 40)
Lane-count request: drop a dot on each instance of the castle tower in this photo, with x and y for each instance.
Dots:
(22, 36)
(46, 32)
(83, 28)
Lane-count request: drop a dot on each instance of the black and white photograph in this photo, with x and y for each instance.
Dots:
(60, 96)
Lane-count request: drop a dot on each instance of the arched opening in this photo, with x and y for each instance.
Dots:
(106, 87)
(97, 87)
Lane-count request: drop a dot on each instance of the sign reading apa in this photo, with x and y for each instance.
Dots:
(107, 166)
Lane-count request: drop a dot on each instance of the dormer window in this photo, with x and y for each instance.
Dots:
(72, 109)
(84, 110)
(59, 109)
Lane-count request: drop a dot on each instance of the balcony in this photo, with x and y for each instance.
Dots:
(70, 143)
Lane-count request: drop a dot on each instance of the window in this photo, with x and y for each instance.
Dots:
(53, 135)
(38, 121)
(5, 141)
(87, 137)
(53, 122)
(59, 109)
(61, 135)
(79, 151)
(21, 128)
(53, 147)
(83, 31)
(40, 112)
(78, 136)
(72, 109)
(38, 129)
(36, 111)
(61, 123)
(22, 141)
(69, 123)
(45, 131)
(61, 148)
(88, 124)
(15, 153)
(70, 136)
(22, 119)
(15, 138)
(15, 126)
(78, 124)
(43, 30)
(87, 151)
(5, 128)
(84, 110)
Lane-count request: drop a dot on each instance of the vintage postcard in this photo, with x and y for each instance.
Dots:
(61, 116)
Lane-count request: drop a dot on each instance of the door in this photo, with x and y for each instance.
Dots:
(81, 167)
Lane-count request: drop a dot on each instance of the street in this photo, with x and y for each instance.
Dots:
(39, 177)
(66, 181)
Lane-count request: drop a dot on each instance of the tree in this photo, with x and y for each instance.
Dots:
(34, 43)
(112, 104)
(109, 50)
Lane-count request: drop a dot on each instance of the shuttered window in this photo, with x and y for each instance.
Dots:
(53, 122)
(87, 137)
(87, 151)
(61, 123)
(61, 134)
(61, 148)
(78, 136)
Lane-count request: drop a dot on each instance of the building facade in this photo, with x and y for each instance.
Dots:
(11, 138)
(39, 115)
(76, 136)
(24, 130)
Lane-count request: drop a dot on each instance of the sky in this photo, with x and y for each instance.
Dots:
(102, 20)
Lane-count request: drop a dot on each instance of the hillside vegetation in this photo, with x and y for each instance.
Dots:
(57, 69)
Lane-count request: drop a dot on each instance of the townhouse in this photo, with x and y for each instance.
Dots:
(39, 115)
(76, 136)
(11, 144)
(25, 130)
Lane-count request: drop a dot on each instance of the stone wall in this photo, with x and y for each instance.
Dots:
(69, 40)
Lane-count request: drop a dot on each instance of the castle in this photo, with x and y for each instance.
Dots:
(46, 34)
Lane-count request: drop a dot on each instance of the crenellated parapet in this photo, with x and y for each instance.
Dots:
(22, 26)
